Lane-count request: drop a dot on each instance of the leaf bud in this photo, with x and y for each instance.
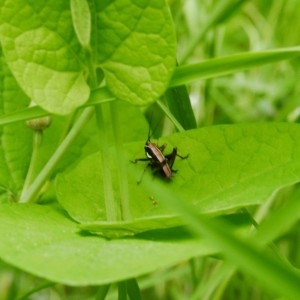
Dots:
(39, 123)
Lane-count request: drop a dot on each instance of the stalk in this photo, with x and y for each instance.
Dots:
(30, 194)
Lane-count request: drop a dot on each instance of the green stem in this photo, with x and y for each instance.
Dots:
(37, 141)
(122, 293)
(110, 206)
(122, 173)
(31, 193)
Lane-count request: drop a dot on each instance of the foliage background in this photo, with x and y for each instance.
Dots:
(265, 94)
(268, 93)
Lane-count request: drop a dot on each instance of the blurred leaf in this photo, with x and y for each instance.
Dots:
(222, 11)
(32, 235)
(242, 252)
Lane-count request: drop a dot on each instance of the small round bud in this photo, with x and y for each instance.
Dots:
(39, 123)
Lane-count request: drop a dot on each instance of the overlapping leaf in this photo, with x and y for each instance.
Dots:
(41, 240)
(43, 53)
(135, 47)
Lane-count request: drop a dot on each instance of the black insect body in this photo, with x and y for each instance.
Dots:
(157, 160)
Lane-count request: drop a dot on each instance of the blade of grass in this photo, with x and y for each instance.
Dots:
(230, 64)
(102, 292)
(281, 220)
(242, 253)
(133, 289)
(26, 114)
(180, 105)
(276, 224)
(170, 115)
(98, 96)
(122, 295)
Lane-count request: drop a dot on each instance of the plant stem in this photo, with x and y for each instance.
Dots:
(110, 207)
(37, 141)
(122, 173)
(31, 193)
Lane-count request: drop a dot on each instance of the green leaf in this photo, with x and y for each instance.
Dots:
(43, 53)
(81, 16)
(229, 167)
(32, 235)
(183, 75)
(16, 139)
(136, 48)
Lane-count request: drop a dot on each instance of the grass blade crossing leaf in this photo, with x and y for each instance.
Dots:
(245, 254)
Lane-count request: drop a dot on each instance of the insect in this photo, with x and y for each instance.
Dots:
(157, 160)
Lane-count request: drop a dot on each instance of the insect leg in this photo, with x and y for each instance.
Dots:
(172, 156)
(140, 180)
(162, 147)
(183, 157)
(139, 159)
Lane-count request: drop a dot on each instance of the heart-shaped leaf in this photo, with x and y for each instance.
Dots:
(136, 48)
(43, 53)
